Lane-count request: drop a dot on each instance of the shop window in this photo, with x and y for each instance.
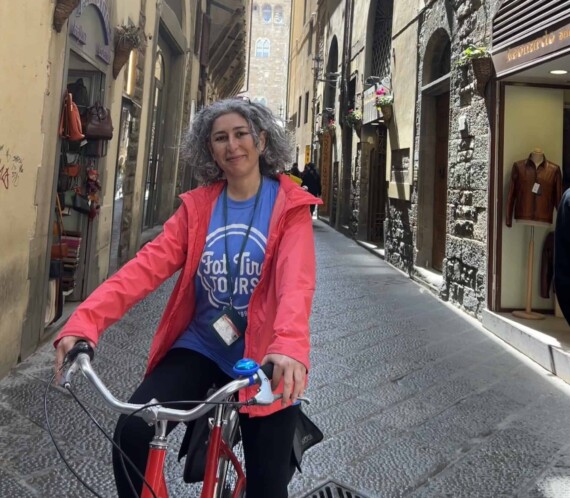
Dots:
(262, 48)
(267, 13)
(278, 15)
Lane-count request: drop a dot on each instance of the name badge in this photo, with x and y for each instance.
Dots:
(536, 189)
(228, 326)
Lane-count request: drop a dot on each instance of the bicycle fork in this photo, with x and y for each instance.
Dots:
(217, 447)
(154, 473)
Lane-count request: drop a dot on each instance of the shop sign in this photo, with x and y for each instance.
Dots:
(326, 164)
(103, 52)
(78, 33)
(307, 154)
(103, 10)
(512, 58)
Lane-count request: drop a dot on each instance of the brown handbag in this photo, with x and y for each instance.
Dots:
(97, 124)
(70, 122)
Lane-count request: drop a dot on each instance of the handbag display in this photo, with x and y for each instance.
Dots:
(81, 204)
(97, 124)
(70, 127)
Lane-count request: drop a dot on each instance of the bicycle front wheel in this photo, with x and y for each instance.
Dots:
(227, 472)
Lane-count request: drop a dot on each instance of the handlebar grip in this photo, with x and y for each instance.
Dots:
(268, 370)
(80, 347)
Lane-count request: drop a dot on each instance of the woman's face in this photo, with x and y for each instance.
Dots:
(233, 147)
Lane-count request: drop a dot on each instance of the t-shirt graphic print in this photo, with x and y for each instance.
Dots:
(212, 278)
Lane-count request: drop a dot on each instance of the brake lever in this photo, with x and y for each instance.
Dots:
(265, 395)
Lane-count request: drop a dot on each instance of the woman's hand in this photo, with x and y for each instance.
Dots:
(63, 346)
(294, 376)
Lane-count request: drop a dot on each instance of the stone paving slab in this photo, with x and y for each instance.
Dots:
(414, 398)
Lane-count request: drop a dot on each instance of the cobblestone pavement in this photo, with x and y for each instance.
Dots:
(414, 399)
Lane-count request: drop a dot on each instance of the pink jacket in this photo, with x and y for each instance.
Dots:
(278, 313)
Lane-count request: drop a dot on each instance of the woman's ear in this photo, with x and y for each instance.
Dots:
(262, 142)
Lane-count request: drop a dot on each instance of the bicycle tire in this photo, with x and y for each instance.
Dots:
(230, 435)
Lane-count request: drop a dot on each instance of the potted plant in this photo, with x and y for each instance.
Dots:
(481, 62)
(63, 9)
(384, 103)
(353, 119)
(127, 38)
(329, 127)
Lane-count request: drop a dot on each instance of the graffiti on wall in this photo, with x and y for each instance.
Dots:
(11, 167)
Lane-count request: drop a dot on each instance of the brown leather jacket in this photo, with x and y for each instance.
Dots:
(521, 199)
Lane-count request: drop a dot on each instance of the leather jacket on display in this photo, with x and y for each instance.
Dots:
(526, 204)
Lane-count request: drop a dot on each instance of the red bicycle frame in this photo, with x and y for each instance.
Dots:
(217, 447)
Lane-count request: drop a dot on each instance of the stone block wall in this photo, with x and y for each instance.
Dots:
(465, 265)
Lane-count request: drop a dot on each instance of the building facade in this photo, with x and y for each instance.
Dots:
(416, 141)
(269, 55)
(76, 209)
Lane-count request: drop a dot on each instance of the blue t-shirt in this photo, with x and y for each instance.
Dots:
(212, 282)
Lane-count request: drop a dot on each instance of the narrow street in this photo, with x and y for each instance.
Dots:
(414, 399)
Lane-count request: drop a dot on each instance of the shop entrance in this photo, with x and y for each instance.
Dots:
(79, 160)
(377, 188)
(80, 166)
(154, 172)
(116, 255)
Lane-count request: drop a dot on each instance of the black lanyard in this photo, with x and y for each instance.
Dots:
(230, 276)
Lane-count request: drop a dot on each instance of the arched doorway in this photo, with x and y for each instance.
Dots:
(151, 192)
(328, 183)
(433, 164)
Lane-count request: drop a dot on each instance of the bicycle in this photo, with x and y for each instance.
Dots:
(224, 425)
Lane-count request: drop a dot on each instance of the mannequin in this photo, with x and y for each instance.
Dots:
(537, 156)
(534, 192)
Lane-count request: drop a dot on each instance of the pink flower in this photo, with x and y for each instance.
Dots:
(380, 91)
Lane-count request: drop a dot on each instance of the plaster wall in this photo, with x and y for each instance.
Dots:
(22, 149)
(301, 74)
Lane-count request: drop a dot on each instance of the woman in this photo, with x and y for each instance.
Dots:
(245, 213)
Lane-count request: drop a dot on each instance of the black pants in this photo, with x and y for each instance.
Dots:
(186, 375)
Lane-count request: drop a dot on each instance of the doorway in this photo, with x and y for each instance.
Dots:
(116, 256)
(440, 180)
(377, 188)
(86, 83)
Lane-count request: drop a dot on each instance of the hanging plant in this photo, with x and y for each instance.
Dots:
(471, 53)
(63, 9)
(127, 38)
(482, 64)
(384, 103)
(353, 118)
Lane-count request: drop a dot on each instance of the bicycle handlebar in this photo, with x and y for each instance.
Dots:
(81, 355)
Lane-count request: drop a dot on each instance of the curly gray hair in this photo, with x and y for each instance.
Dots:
(278, 151)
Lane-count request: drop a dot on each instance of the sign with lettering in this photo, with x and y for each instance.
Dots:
(103, 52)
(103, 8)
(76, 31)
(517, 57)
